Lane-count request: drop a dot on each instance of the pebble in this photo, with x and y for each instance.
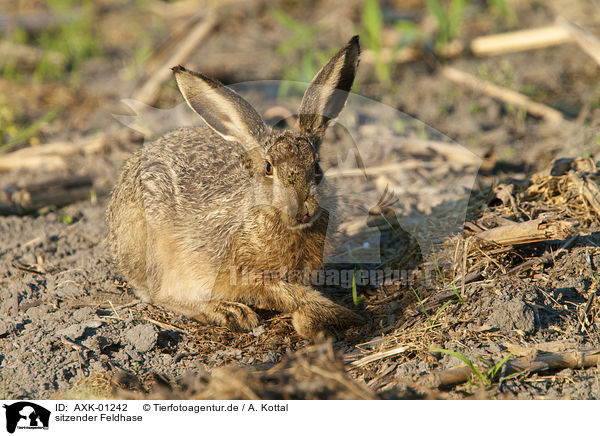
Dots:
(82, 314)
(257, 331)
(142, 337)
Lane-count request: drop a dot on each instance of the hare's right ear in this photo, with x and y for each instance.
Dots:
(327, 94)
(223, 109)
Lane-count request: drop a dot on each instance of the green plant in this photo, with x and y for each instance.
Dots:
(372, 36)
(355, 298)
(486, 378)
(420, 302)
(441, 276)
(74, 38)
(449, 19)
(504, 9)
(65, 218)
(302, 43)
(20, 132)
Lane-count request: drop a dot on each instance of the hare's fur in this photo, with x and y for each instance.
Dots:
(193, 212)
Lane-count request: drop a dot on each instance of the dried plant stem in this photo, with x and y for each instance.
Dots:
(149, 90)
(520, 40)
(503, 94)
(540, 362)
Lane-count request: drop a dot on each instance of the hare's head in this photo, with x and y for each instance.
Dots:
(283, 163)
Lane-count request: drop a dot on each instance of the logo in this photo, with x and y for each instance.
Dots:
(26, 415)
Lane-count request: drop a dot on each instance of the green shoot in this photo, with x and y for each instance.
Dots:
(355, 298)
(480, 375)
(30, 131)
(449, 19)
(372, 25)
(485, 378)
(493, 371)
(65, 218)
(420, 302)
(302, 42)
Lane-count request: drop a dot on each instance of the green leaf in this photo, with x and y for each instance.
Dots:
(355, 298)
(481, 376)
(65, 218)
(372, 19)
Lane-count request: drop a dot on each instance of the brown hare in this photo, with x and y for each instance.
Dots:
(197, 215)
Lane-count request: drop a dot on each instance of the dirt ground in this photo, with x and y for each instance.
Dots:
(526, 315)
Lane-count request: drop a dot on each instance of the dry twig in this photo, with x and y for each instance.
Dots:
(528, 232)
(535, 361)
(505, 95)
(149, 90)
(21, 200)
(520, 40)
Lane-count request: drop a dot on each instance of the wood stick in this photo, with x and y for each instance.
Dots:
(378, 356)
(520, 40)
(505, 95)
(149, 91)
(404, 55)
(528, 232)
(488, 45)
(453, 154)
(589, 43)
(16, 200)
(51, 156)
(165, 325)
(377, 170)
(536, 362)
(46, 163)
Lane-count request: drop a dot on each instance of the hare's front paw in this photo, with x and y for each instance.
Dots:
(235, 316)
(308, 323)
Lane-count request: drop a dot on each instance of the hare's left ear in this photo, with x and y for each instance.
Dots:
(327, 94)
(223, 109)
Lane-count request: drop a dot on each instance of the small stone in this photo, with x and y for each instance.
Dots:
(28, 259)
(257, 331)
(5, 328)
(92, 324)
(38, 311)
(512, 315)
(142, 337)
(82, 314)
(68, 289)
(74, 331)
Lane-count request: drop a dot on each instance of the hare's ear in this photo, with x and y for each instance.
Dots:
(327, 94)
(223, 109)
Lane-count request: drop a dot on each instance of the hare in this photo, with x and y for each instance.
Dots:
(199, 210)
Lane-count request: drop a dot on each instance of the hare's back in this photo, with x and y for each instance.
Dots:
(192, 167)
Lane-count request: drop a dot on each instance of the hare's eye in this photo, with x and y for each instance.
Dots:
(269, 169)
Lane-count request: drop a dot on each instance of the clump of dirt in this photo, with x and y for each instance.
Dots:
(315, 372)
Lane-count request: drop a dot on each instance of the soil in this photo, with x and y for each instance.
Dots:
(70, 327)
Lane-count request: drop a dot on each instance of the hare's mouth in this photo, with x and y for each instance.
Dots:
(306, 221)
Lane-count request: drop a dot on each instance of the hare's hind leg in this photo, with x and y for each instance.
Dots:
(127, 233)
(183, 282)
(235, 316)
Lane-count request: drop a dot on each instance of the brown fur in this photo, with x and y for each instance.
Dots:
(194, 214)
